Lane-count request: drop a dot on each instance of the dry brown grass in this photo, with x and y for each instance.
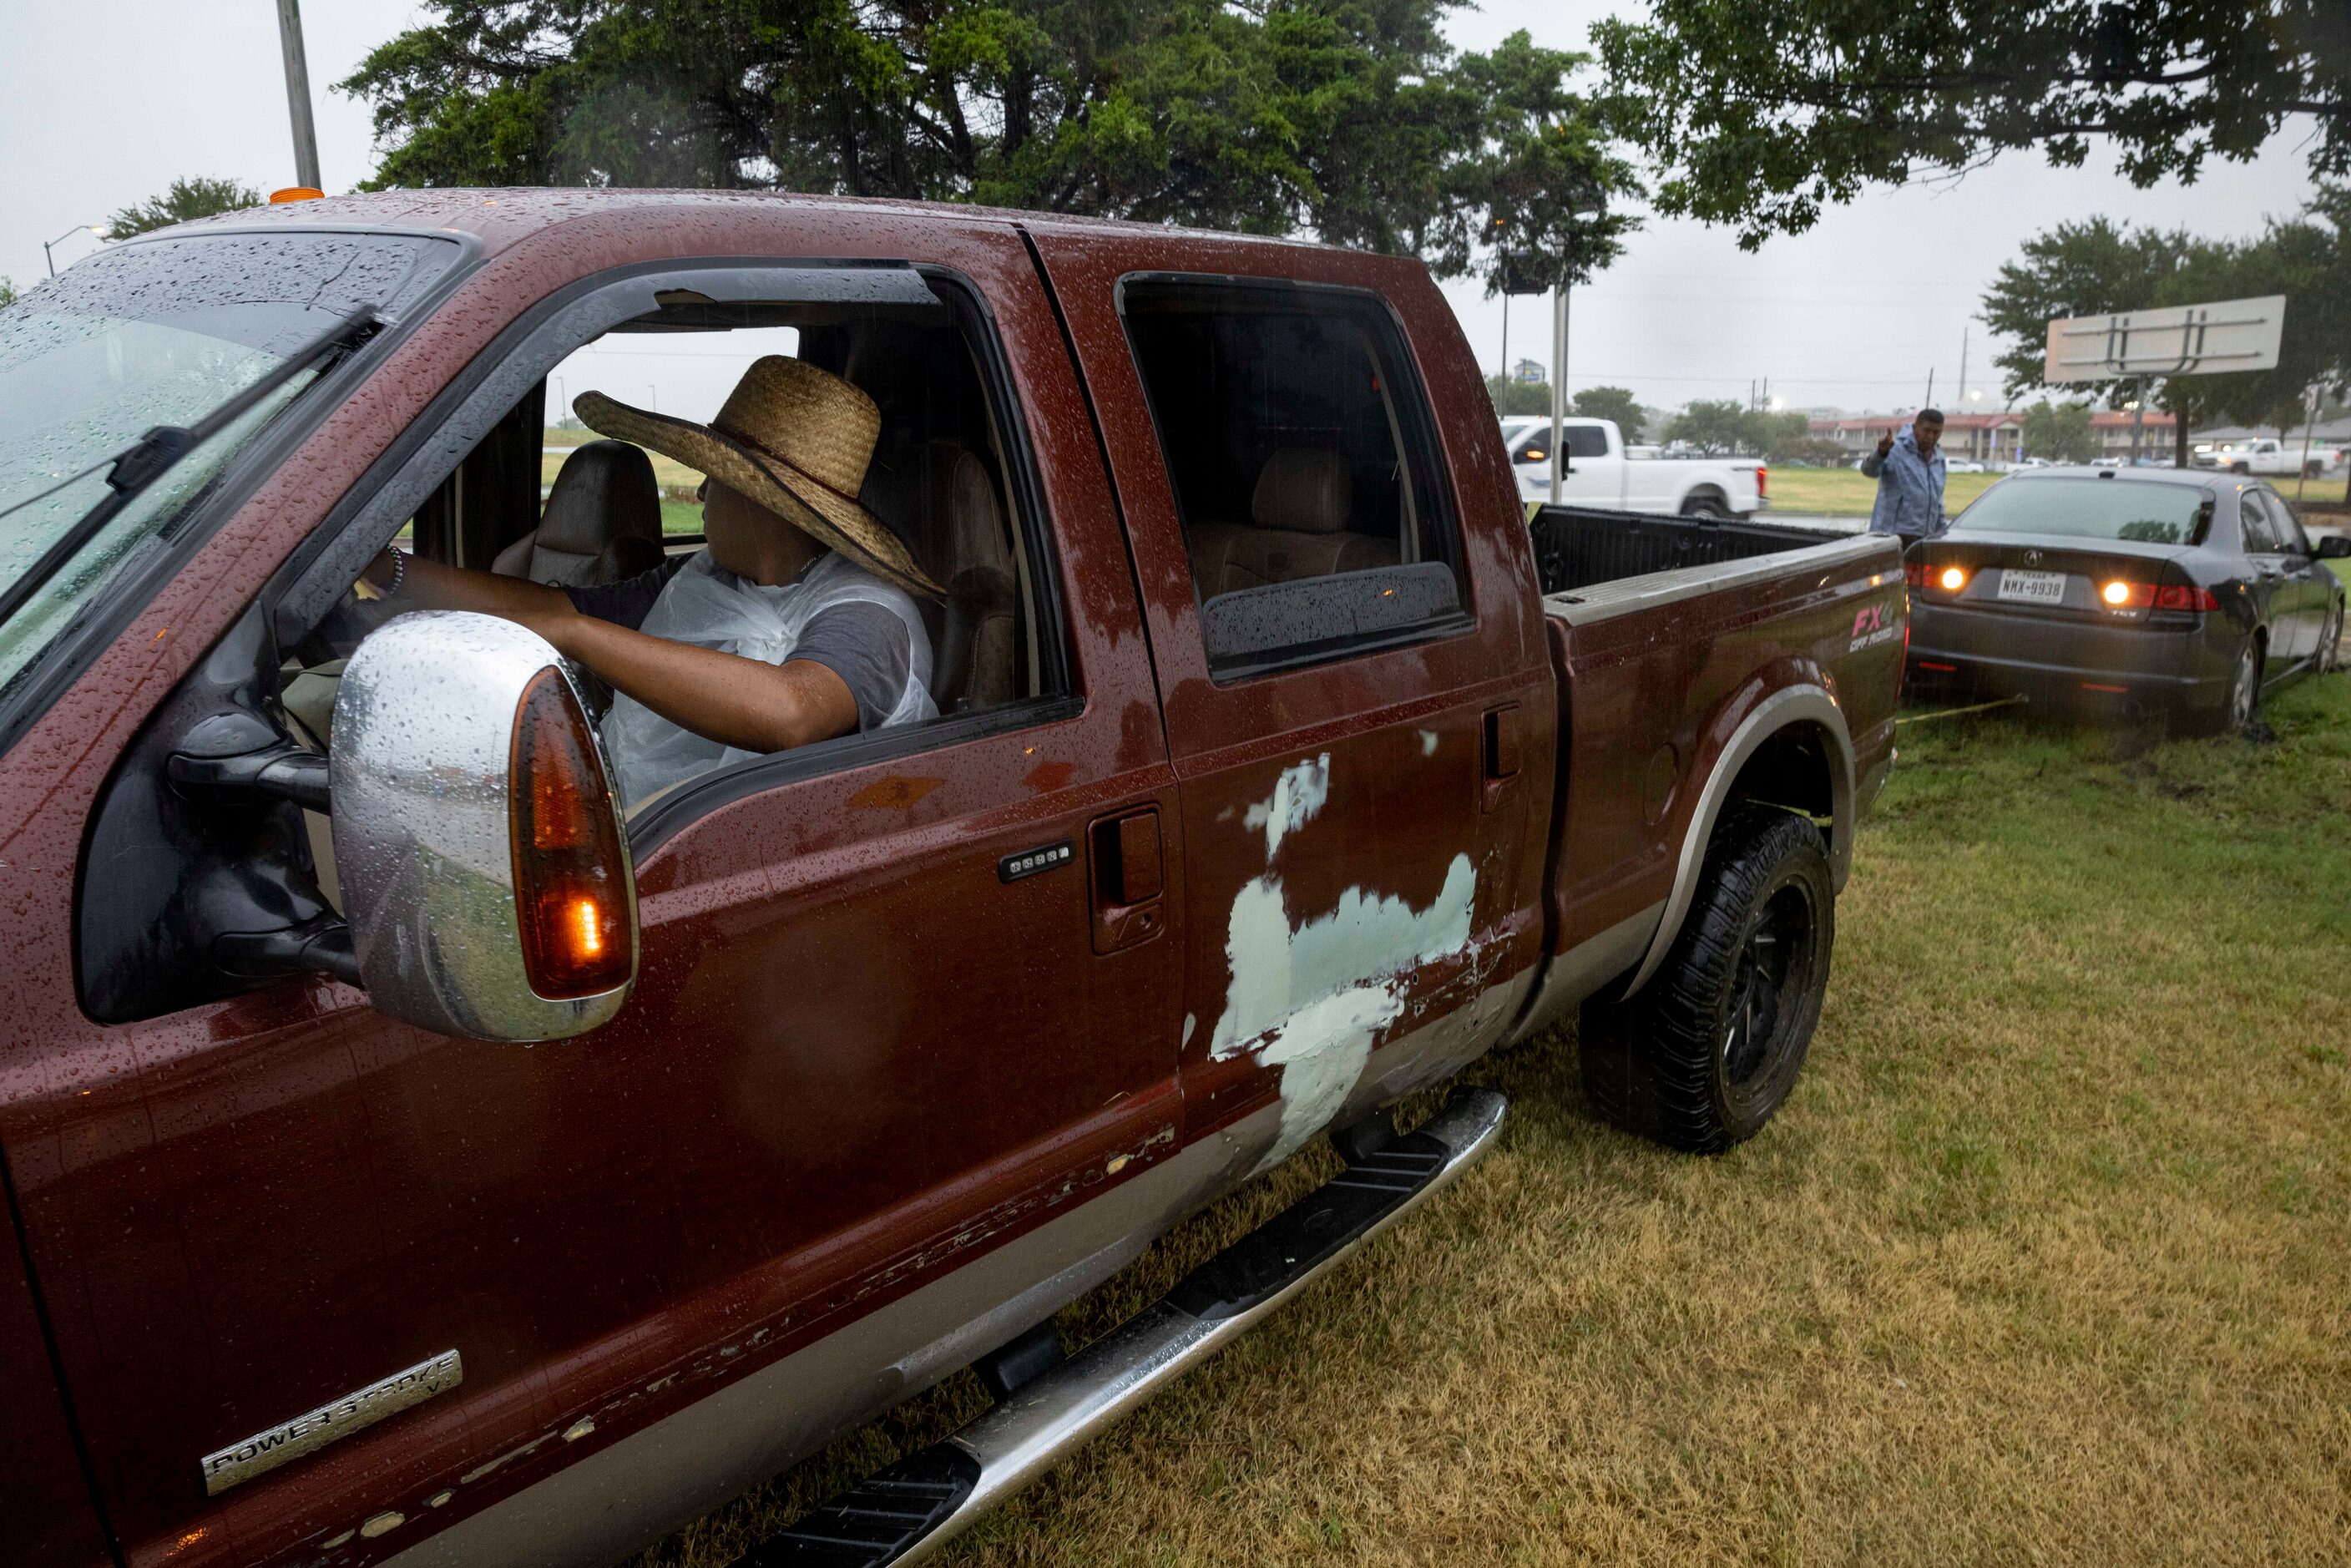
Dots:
(2047, 1260)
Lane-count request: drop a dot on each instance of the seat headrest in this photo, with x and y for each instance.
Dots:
(604, 491)
(1303, 491)
(966, 526)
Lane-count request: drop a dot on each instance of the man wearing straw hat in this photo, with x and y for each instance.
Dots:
(795, 623)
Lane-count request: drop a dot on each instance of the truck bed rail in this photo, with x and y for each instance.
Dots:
(1582, 547)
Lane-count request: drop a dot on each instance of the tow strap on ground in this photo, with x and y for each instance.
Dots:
(1955, 711)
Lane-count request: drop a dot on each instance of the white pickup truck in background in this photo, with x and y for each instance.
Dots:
(2272, 457)
(1602, 473)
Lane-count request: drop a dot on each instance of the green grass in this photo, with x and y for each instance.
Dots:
(2046, 1259)
(1849, 493)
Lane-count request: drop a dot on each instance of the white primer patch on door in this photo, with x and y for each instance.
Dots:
(1311, 999)
(1298, 797)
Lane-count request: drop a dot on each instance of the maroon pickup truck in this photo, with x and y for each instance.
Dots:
(413, 1151)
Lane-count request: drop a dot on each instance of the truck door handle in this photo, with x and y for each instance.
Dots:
(1126, 878)
(1501, 748)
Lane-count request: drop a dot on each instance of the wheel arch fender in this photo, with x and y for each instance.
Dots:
(1792, 711)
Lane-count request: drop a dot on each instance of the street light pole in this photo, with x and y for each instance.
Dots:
(298, 94)
(47, 245)
(1558, 389)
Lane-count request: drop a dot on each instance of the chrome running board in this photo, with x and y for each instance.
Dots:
(906, 1511)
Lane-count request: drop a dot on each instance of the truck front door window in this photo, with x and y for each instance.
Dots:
(820, 494)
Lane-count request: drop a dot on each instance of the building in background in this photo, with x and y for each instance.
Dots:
(2113, 429)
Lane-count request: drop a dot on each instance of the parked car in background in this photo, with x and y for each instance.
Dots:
(1244, 813)
(1602, 472)
(2271, 457)
(2106, 589)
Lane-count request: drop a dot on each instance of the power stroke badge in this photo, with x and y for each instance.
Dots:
(265, 1452)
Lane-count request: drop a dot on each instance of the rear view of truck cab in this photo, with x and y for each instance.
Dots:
(418, 1146)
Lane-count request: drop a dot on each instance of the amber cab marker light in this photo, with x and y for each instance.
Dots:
(1954, 577)
(570, 873)
(294, 193)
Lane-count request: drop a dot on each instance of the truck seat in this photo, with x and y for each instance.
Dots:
(975, 663)
(601, 522)
(1300, 508)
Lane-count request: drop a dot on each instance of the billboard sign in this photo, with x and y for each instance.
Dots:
(2178, 341)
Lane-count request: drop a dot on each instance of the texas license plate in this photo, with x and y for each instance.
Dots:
(2033, 587)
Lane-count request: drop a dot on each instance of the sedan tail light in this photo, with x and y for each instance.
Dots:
(2184, 596)
(2121, 594)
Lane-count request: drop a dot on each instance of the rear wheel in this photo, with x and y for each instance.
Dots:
(2330, 643)
(2243, 703)
(1707, 504)
(1708, 1050)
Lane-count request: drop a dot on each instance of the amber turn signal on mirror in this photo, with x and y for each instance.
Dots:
(570, 894)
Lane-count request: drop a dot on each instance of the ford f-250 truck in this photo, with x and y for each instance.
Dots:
(1602, 471)
(411, 1155)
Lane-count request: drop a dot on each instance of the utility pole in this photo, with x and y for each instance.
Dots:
(1558, 390)
(298, 94)
(1963, 369)
(1931, 388)
(1506, 341)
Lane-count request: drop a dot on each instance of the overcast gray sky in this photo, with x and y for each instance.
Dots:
(102, 102)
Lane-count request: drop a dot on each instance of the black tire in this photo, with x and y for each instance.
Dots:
(1708, 1050)
(2241, 704)
(2330, 643)
(1707, 504)
(2313, 470)
(2240, 467)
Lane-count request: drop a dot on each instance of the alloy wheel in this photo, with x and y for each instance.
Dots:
(1778, 950)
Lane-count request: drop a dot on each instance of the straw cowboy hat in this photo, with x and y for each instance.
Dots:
(792, 437)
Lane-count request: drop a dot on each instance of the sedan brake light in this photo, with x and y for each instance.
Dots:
(2184, 596)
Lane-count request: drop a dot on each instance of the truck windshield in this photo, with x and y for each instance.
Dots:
(158, 334)
(2092, 510)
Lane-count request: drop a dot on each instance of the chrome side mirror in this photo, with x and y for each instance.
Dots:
(484, 870)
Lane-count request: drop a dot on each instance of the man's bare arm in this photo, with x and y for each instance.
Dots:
(739, 701)
(725, 697)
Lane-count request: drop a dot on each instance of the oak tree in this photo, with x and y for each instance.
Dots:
(1763, 111)
(1350, 119)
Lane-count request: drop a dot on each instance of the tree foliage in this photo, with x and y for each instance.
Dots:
(2097, 268)
(1764, 111)
(2060, 431)
(1514, 398)
(1723, 426)
(1713, 426)
(1353, 119)
(183, 200)
(1614, 403)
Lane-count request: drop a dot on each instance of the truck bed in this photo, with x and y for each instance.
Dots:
(1578, 548)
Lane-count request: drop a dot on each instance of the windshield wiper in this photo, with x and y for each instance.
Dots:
(149, 458)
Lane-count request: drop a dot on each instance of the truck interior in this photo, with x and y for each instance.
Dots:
(597, 512)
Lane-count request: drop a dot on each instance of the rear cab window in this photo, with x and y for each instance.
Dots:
(1303, 457)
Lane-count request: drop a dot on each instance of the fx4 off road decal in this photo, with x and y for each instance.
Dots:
(1872, 624)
